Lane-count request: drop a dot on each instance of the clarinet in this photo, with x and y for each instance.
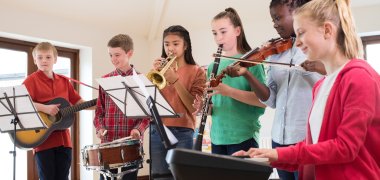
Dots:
(206, 103)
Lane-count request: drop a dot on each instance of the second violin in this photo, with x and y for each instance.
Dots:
(257, 56)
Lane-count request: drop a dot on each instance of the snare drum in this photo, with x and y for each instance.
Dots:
(112, 155)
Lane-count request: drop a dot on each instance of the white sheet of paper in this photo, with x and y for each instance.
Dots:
(171, 137)
(141, 85)
(24, 108)
(114, 87)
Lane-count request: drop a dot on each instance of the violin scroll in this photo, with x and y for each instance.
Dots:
(273, 46)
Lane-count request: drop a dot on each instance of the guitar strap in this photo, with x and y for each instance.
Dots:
(78, 82)
(84, 84)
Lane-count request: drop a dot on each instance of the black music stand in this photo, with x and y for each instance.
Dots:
(17, 113)
(168, 139)
(136, 91)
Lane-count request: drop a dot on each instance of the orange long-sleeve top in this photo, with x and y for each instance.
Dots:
(193, 78)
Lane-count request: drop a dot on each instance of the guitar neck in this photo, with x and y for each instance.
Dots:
(78, 107)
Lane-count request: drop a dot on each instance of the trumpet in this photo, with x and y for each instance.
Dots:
(157, 77)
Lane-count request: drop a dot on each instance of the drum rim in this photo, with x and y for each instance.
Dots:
(112, 144)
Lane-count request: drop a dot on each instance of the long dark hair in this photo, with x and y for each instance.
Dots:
(230, 13)
(182, 32)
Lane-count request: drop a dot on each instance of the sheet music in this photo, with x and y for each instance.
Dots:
(140, 84)
(114, 86)
(19, 98)
(171, 137)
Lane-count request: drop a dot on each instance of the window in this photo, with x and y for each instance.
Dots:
(12, 73)
(372, 51)
(63, 66)
(17, 63)
(14, 70)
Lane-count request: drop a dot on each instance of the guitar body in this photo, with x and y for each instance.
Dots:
(63, 120)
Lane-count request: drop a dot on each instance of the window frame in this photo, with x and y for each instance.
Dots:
(368, 40)
(73, 55)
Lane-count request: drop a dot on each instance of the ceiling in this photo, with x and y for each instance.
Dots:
(145, 17)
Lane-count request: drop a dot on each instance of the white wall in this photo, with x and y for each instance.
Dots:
(94, 60)
(367, 19)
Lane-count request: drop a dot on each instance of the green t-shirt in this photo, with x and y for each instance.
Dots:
(233, 121)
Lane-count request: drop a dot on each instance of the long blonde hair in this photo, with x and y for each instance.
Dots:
(339, 13)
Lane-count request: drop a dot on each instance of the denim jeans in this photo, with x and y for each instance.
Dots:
(54, 163)
(231, 148)
(285, 175)
(158, 151)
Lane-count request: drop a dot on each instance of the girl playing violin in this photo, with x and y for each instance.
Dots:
(288, 90)
(235, 124)
(344, 122)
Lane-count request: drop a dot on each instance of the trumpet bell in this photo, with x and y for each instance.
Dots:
(157, 79)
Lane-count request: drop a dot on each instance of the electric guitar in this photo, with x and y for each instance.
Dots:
(61, 121)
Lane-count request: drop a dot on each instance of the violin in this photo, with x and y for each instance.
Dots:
(273, 46)
(257, 56)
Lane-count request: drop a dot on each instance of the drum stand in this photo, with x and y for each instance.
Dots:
(120, 175)
(126, 154)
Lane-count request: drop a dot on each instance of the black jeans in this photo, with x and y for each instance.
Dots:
(231, 148)
(54, 163)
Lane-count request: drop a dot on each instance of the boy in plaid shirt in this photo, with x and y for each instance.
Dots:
(110, 122)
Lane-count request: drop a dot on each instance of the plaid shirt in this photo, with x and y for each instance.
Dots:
(108, 116)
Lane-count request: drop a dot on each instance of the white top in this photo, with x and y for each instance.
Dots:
(318, 109)
(290, 94)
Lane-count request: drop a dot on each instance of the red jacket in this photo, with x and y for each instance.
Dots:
(349, 139)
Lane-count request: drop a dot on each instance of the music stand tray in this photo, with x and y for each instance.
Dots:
(187, 164)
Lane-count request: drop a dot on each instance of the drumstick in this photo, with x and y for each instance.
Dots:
(104, 132)
(123, 139)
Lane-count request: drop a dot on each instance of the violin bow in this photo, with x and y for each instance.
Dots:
(257, 61)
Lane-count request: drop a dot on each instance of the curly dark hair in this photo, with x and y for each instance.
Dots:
(292, 4)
